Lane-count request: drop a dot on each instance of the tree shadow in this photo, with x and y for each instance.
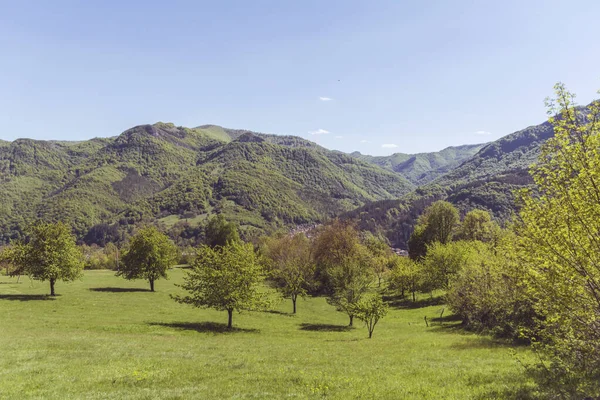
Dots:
(451, 318)
(324, 327)
(27, 297)
(406, 302)
(286, 314)
(118, 290)
(203, 327)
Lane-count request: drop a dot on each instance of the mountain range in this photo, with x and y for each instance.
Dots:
(177, 177)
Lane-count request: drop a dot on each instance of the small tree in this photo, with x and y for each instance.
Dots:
(350, 279)
(406, 275)
(50, 254)
(226, 279)
(219, 232)
(437, 224)
(370, 310)
(150, 254)
(291, 265)
(444, 261)
(477, 225)
(381, 253)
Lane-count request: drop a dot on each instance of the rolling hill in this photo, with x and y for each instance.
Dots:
(423, 168)
(487, 180)
(170, 174)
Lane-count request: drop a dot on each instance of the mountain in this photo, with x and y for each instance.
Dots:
(486, 181)
(423, 168)
(168, 174)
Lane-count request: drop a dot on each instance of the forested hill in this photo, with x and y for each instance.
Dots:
(171, 174)
(487, 181)
(423, 168)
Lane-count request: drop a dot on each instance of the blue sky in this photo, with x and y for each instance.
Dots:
(350, 75)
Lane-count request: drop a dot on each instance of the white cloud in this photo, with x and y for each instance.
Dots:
(365, 141)
(389, 146)
(319, 132)
(339, 137)
(483, 133)
(322, 98)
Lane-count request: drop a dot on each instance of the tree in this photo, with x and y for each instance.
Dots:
(558, 239)
(344, 265)
(405, 275)
(225, 278)
(219, 232)
(291, 265)
(381, 254)
(151, 253)
(350, 279)
(50, 254)
(334, 243)
(437, 224)
(477, 225)
(444, 261)
(370, 310)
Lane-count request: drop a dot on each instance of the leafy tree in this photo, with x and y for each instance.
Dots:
(50, 254)
(225, 278)
(151, 253)
(219, 232)
(477, 225)
(381, 254)
(444, 261)
(350, 279)
(436, 224)
(405, 276)
(559, 240)
(333, 245)
(490, 291)
(291, 264)
(370, 310)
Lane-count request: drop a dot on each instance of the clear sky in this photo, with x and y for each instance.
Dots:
(350, 75)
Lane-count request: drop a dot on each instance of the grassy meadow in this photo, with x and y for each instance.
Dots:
(107, 338)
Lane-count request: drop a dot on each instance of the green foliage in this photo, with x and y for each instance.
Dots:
(370, 310)
(225, 278)
(437, 224)
(349, 279)
(406, 275)
(220, 233)
(477, 225)
(490, 291)
(50, 254)
(149, 256)
(559, 241)
(444, 261)
(291, 266)
(151, 172)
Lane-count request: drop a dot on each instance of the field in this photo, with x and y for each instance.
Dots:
(107, 338)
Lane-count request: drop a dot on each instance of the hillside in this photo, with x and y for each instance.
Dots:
(170, 174)
(423, 168)
(487, 181)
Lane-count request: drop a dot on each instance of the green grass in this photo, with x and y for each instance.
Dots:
(107, 338)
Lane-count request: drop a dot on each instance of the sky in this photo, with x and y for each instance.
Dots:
(377, 77)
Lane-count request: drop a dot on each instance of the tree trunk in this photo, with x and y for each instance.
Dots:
(370, 333)
(230, 322)
(414, 298)
(52, 282)
(351, 320)
(151, 284)
(294, 298)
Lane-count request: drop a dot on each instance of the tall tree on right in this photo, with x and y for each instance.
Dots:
(436, 224)
(559, 235)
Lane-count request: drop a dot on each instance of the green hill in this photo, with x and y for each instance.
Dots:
(487, 180)
(170, 174)
(423, 168)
